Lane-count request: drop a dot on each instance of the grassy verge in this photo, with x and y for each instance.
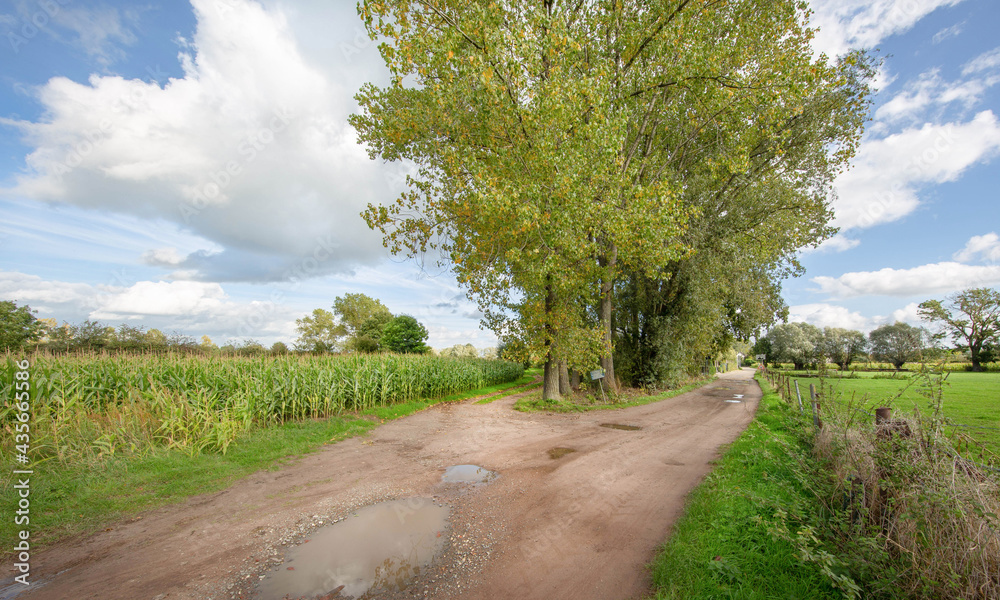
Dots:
(733, 540)
(584, 402)
(525, 383)
(67, 501)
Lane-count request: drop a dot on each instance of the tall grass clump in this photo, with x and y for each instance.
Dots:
(88, 407)
(902, 511)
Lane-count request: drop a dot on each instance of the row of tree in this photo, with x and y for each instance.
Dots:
(971, 318)
(621, 183)
(20, 329)
(357, 324)
(802, 344)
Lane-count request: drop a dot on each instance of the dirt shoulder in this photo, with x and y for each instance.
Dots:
(580, 526)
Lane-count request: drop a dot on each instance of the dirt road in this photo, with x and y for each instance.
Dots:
(582, 525)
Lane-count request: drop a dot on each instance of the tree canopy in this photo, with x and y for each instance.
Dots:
(898, 343)
(562, 148)
(18, 326)
(404, 334)
(972, 317)
(797, 343)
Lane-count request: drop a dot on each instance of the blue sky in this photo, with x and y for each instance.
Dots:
(189, 167)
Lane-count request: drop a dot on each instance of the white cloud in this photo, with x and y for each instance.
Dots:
(828, 315)
(162, 257)
(948, 32)
(98, 30)
(907, 314)
(837, 243)
(929, 90)
(200, 308)
(884, 182)
(163, 298)
(986, 61)
(250, 149)
(847, 24)
(985, 247)
(923, 280)
(30, 289)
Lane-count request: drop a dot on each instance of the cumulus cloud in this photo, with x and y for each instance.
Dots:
(31, 289)
(929, 279)
(163, 298)
(847, 24)
(250, 149)
(884, 182)
(907, 314)
(981, 247)
(828, 315)
(162, 257)
(167, 305)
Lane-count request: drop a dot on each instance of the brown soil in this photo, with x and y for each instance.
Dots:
(580, 525)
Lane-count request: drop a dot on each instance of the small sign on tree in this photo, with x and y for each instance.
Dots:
(597, 374)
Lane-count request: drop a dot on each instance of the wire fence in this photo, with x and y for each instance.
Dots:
(788, 388)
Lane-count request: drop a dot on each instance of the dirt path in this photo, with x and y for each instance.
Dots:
(580, 526)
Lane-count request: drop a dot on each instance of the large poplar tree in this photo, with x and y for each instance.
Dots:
(558, 143)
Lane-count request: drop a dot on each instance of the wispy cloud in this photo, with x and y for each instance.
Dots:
(947, 33)
(847, 24)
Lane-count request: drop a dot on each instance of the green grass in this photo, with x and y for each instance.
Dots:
(971, 399)
(78, 498)
(525, 383)
(723, 547)
(581, 403)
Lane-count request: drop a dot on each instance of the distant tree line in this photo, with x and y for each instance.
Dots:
(970, 318)
(21, 330)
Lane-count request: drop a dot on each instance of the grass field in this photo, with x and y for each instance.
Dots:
(971, 400)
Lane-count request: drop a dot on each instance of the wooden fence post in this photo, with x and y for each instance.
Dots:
(798, 394)
(815, 405)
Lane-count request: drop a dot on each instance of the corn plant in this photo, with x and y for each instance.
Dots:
(92, 406)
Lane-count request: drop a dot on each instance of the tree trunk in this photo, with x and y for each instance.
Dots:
(974, 355)
(608, 262)
(574, 379)
(550, 381)
(563, 378)
(550, 384)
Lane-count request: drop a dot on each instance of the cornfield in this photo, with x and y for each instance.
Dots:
(91, 406)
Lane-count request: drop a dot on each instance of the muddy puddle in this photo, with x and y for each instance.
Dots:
(620, 426)
(377, 548)
(467, 474)
(555, 453)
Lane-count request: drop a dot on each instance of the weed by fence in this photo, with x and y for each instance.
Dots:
(907, 512)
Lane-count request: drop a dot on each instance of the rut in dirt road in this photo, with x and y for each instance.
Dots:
(576, 508)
